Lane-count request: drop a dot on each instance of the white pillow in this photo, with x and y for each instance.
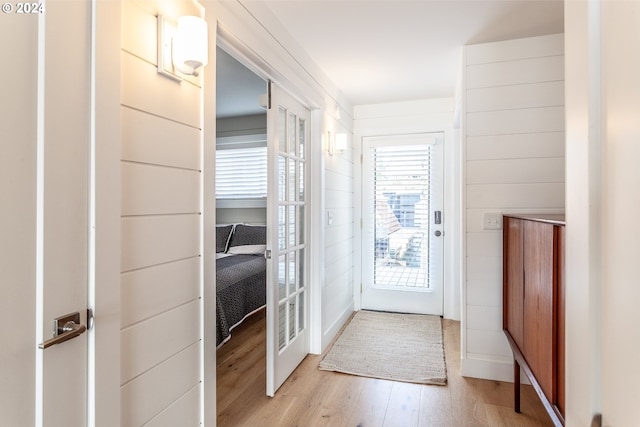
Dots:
(247, 249)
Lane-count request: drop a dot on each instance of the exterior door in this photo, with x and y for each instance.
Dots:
(63, 210)
(287, 213)
(403, 223)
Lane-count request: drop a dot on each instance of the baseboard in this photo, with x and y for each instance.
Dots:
(335, 327)
(489, 370)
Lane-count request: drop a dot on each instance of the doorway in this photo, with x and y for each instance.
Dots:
(403, 223)
(240, 199)
(266, 188)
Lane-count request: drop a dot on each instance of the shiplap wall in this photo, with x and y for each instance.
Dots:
(337, 289)
(160, 257)
(514, 163)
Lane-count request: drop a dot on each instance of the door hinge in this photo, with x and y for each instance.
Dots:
(361, 158)
(360, 287)
(269, 95)
(361, 222)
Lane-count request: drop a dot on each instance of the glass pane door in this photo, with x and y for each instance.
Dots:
(403, 223)
(287, 287)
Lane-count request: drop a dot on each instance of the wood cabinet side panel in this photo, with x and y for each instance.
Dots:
(560, 309)
(513, 282)
(539, 302)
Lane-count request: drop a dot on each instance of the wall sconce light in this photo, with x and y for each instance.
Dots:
(330, 144)
(341, 142)
(337, 143)
(182, 48)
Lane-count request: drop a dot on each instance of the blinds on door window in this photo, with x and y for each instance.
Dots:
(402, 181)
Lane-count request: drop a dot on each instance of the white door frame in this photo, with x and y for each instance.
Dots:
(416, 118)
(219, 36)
(250, 59)
(405, 300)
(104, 266)
(264, 70)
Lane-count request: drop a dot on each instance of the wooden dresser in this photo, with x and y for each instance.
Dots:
(533, 305)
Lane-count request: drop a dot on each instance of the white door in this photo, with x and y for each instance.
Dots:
(287, 278)
(403, 223)
(63, 210)
(615, 305)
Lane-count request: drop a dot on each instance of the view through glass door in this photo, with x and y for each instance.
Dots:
(287, 277)
(403, 223)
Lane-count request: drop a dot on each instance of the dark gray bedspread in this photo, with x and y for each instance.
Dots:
(240, 289)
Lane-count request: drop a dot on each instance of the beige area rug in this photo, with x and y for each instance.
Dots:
(390, 346)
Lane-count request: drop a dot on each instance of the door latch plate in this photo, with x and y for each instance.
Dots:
(59, 322)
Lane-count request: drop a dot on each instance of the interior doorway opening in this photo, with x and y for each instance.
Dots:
(240, 197)
(261, 175)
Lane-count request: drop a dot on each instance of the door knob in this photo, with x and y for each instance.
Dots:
(438, 233)
(64, 328)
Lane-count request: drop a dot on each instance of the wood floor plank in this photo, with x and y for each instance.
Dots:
(240, 410)
(334, 403)
(311, 397)
(403, 409)
(372, 403)
(435, 407)
(501, 416)
(278, 411)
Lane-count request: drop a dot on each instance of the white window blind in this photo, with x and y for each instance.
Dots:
(241, 173)
(402, 181)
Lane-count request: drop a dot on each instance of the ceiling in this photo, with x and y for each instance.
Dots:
(237, 88)
(378, 51)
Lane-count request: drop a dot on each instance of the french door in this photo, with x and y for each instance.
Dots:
(403, 223)
(287, 277)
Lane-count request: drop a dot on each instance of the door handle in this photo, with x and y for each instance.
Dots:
(438, 233)
(64, 328)
(437, 217)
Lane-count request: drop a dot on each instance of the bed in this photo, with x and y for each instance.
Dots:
(240, 276)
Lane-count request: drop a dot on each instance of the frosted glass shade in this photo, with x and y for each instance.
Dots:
(190, 50)
(341, 142)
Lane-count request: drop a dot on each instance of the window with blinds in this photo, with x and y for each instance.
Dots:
(402, 205)
(241, 173)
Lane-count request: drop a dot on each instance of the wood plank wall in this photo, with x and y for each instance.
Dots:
(161, 232)
(514, 149)
(337, 291)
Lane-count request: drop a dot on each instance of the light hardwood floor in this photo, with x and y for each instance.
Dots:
(311, 397)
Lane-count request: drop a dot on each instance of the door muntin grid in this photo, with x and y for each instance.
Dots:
(291, 229)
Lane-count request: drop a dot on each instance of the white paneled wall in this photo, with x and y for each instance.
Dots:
(161, 232)
(514, 163)
(337, 290)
